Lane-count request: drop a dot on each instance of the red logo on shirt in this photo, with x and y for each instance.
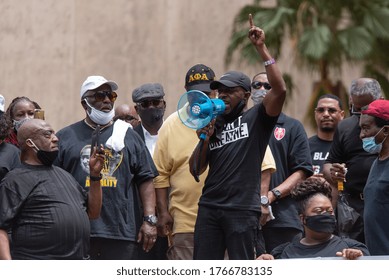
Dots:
(279, 133)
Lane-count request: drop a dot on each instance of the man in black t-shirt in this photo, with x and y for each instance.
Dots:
(290, 148)
(126, 179)
(289, 145)
(229, 207)
(347, 152)
(328, 113)
(45, 208)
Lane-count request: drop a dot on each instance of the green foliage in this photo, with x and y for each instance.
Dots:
(323, 35)
(315, 42)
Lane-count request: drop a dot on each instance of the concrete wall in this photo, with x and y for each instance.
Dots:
(48, 48)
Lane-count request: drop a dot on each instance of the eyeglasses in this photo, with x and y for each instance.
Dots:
(355, 112)
(330, 110)
(101, 95)
(154, 102)
(258, 85)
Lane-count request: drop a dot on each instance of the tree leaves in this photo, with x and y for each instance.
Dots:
(315, 42)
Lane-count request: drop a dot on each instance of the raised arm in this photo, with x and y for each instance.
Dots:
(275, 98)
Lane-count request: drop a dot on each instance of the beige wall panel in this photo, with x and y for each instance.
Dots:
(48, 48)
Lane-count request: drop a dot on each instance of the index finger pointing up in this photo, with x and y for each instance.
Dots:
(251, 20)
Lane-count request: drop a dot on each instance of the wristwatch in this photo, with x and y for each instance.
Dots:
(276, 193)
(264, 201)
(151, 219)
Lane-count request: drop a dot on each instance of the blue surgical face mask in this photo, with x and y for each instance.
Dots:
(370, 145)
(99, 117)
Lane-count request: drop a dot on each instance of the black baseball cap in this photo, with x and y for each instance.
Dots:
(199, 77)
(233, 79)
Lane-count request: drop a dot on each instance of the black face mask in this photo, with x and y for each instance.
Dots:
(221, 120)
(47, 158)
(151, 116)
(321, 223)
(236, 112)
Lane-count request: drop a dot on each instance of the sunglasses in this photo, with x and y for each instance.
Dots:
(148, 103)
(258, 85)
(330, 110)
(101, 95)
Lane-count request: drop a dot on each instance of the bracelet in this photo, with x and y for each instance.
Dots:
(269, 62)
(95, 178)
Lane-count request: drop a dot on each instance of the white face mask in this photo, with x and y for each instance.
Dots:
(99, 117)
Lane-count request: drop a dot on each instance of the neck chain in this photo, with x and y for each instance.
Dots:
(101, 127)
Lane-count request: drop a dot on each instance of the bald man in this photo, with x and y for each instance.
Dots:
(47, 210)
(128, 114)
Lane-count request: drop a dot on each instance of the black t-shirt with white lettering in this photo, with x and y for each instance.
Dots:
(233, 180)
(319, 152)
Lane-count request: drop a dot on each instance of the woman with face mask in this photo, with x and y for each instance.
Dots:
(318, 219)
(374, 123)
(20, 109)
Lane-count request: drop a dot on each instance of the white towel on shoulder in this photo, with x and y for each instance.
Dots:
(116, 141)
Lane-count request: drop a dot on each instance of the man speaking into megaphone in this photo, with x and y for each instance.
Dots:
(234, 147)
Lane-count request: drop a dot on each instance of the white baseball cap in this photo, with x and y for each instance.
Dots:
(2, 103)
(93, 82)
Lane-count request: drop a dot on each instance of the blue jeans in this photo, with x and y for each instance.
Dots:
(218, 230)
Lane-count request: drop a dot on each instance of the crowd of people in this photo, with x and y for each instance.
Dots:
(128, 183)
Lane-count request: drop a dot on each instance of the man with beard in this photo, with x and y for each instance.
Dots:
(290, 148)
(328, 113)
(347, 153)
(150, 106)
(235, 145)
(126, 179)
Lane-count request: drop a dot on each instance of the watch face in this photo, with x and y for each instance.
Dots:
(277, 193)
(264, 200)
(152, 219)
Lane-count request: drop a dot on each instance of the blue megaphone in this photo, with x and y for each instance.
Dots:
(196, 110)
